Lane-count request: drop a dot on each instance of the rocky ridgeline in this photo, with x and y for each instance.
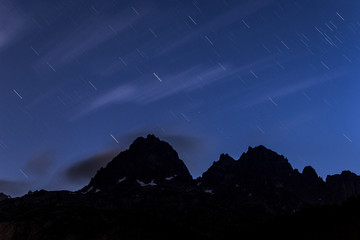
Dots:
(146, 192)
(260, 176)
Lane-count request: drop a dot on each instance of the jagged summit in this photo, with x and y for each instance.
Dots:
(260, 176)
(148, 162)
(262, 155)
(225, 159)
(148, 189)
(263, 177)
(310, 173)
(344, 185)
(147, 143)
(256, 161)
(261, 164)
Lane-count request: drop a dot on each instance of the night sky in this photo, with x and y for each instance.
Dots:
(80, 80)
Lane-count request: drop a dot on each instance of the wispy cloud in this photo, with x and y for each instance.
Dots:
(199, 77)
(120, 94)
(184, 81)
(260, 95)
(89, 34)
(84, 169)
(181, 142)
(13, 188)
(40, 163)
(12, 24)
(172, 41)
(236, 13)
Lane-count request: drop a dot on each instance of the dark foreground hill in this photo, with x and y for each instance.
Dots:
(146, 192)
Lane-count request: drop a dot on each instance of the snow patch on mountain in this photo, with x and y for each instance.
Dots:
(142, 184)
(169, 178)
(122, 179)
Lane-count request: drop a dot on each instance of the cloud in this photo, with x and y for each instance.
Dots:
(88, 35)
(11, 24)
(13, 188)
(279, 91)
(83, 170)
(185, 143)
(180, 142)
(183, 81)
(119, 94)
(234, 14)
(40, 163)
(78, 174)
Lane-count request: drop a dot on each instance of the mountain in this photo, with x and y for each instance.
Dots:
(146, 192)
(262, 177)
(148, 162)
(3, 196)
(343, 186)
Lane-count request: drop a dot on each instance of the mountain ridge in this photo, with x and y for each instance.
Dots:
(259, 176)
(150, 161)
(147, 191)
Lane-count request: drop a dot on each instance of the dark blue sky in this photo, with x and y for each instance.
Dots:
(81, 79)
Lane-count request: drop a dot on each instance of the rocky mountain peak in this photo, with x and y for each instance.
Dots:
(225, 159)
(310, 173)
(263, 161)
(148, 162)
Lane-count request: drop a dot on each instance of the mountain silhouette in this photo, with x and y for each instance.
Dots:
(148, 162)
(147, 192)
(3, 196)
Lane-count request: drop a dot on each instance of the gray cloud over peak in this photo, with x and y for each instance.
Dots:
(82, 170)
(13, 188)
(40, 163)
